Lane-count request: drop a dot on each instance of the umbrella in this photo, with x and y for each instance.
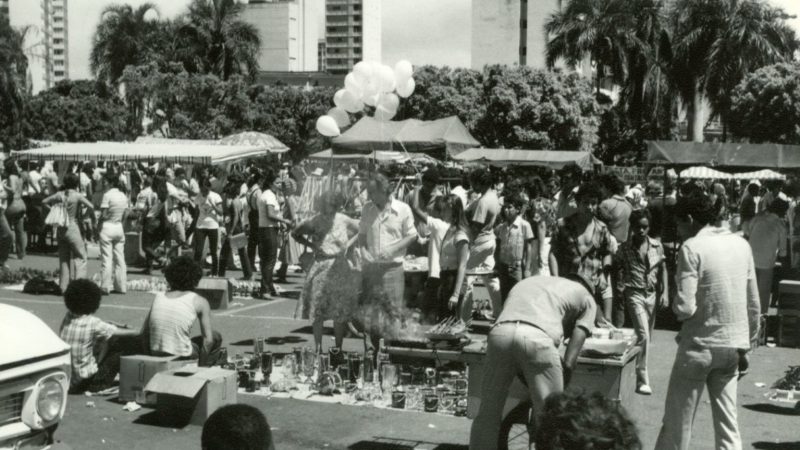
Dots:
(255, 139)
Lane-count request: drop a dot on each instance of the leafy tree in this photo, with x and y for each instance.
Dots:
(765, 107)
(76, 111)
(124, 37)
(716, 43)
(442, 92)
(290, 114)
(224, 44)
(13, 84)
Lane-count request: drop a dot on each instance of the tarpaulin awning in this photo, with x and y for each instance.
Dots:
(380, 156)
(134, 151)
(723, 154)
(764, 174)
(554, 159)
(705, 173)
(266, 142)
(163, 140)
(412, 135)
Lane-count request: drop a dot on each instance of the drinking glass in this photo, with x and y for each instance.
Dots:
(309, 364)
(413, 399)
(388, 377)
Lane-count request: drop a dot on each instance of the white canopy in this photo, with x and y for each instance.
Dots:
(700, 172)
(381, 156)
(194, 153)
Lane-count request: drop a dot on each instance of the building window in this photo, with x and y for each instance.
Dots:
(523, 51)
(357, 17)
(523, 24)
(357, 29)
(356, 7)
(59, 73)
(58, 51)
(57, 41)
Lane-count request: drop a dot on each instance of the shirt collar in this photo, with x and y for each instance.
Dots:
(516, 223)
(711, 230)
(619, 197)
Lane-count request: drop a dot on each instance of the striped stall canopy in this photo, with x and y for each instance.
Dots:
(765, 174)
(700, 172)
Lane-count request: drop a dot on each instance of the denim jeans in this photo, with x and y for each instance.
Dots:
(514, 348)
(112, 257)
(200, 235)
(71, 254)
(696, 368)
(642, 308)
(268, 254)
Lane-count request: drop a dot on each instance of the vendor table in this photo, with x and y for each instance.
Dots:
(615, 378)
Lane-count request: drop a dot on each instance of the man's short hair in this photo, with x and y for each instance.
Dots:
(480, 177)
(639, 214)
(699, 206)
(587, 192)
(82, 296)
(574, 421)
(382, 183)
(516, 201)
(612, 183)
(241, 427)
(183, 273)
(431, 175)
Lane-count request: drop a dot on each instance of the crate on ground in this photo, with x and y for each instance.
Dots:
(217, 290)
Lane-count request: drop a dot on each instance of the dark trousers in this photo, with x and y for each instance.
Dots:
(108, 367)
(226, 255)
(150, 242)
(200, 235)
(508, 275)
(431, 305)
(268, 254)
(283, 256)
(252, 238)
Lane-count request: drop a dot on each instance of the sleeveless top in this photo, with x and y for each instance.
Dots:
(171, 321)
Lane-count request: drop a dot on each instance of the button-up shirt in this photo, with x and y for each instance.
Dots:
(717, 297)
(387, 226)
(767, 235)
(588, 261)
(638, 272)
(82, 333)
(513, 239)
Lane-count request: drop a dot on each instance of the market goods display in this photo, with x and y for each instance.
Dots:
(23, 274)
(448, 329)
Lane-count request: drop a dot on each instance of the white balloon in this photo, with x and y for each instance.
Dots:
(382, 113)
(362, 71)
(350, 102)
(403, 70)
(389, 101)
(353, 84)
(340, 116)
(371, 100)
(405, 90)
(386, 81)
(326, 125)
(338, 98)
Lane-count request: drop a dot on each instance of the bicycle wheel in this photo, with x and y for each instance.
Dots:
(516, 433)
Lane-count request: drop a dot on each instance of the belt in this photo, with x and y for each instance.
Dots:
(518, 322)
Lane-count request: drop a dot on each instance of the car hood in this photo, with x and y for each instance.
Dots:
(25, 337)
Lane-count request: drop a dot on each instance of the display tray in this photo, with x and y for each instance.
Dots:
(450, 343)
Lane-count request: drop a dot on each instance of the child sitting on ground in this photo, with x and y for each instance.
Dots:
(95, 357)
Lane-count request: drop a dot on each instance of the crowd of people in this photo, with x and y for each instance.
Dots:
(618, 252)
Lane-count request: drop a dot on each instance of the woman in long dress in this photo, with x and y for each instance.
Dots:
(331, 287)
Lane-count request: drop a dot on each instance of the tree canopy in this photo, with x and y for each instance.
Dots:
(765, 106)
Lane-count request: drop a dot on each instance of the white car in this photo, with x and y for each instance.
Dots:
(34, 379)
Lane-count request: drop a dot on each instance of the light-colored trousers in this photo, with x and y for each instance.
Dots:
(481, 253)
(764, 282)
(71, 254)
(641, 306)
(112, 257)
(696, 368)
(514, 348)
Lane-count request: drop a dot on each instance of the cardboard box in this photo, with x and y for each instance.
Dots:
(217, 290)
(190, 395)
(136, 370)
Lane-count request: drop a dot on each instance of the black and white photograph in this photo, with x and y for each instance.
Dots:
(400, 224)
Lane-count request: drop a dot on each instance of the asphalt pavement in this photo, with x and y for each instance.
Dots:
(100, 423)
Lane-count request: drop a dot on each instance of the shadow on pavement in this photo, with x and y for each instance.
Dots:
(380, 443)
(773, 409)
(777, 445)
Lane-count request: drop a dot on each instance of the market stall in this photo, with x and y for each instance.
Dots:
(553, 159)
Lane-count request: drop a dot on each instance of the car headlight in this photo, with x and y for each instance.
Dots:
(50, 399)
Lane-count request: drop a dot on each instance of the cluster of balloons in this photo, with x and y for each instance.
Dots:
(370, 84)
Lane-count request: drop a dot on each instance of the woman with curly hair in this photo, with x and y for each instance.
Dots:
(331, 287)
(173, 314)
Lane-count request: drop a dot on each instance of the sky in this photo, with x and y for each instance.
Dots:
(421, 31)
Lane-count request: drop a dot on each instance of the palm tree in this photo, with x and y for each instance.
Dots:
(717, 42)
(13, 76)
(224, 44)
(123, 38)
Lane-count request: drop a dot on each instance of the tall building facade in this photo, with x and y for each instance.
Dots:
(510, 31)
(56, 41)
(322, 55)
(4, 11)
(289, 34)
(352, 33)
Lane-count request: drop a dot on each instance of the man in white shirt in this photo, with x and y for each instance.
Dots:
(385, 232)
(209, 205)
(767, 235)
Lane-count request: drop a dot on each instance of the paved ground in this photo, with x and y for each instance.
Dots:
(309, 425)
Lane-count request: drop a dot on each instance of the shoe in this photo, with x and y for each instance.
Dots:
(644, 389)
